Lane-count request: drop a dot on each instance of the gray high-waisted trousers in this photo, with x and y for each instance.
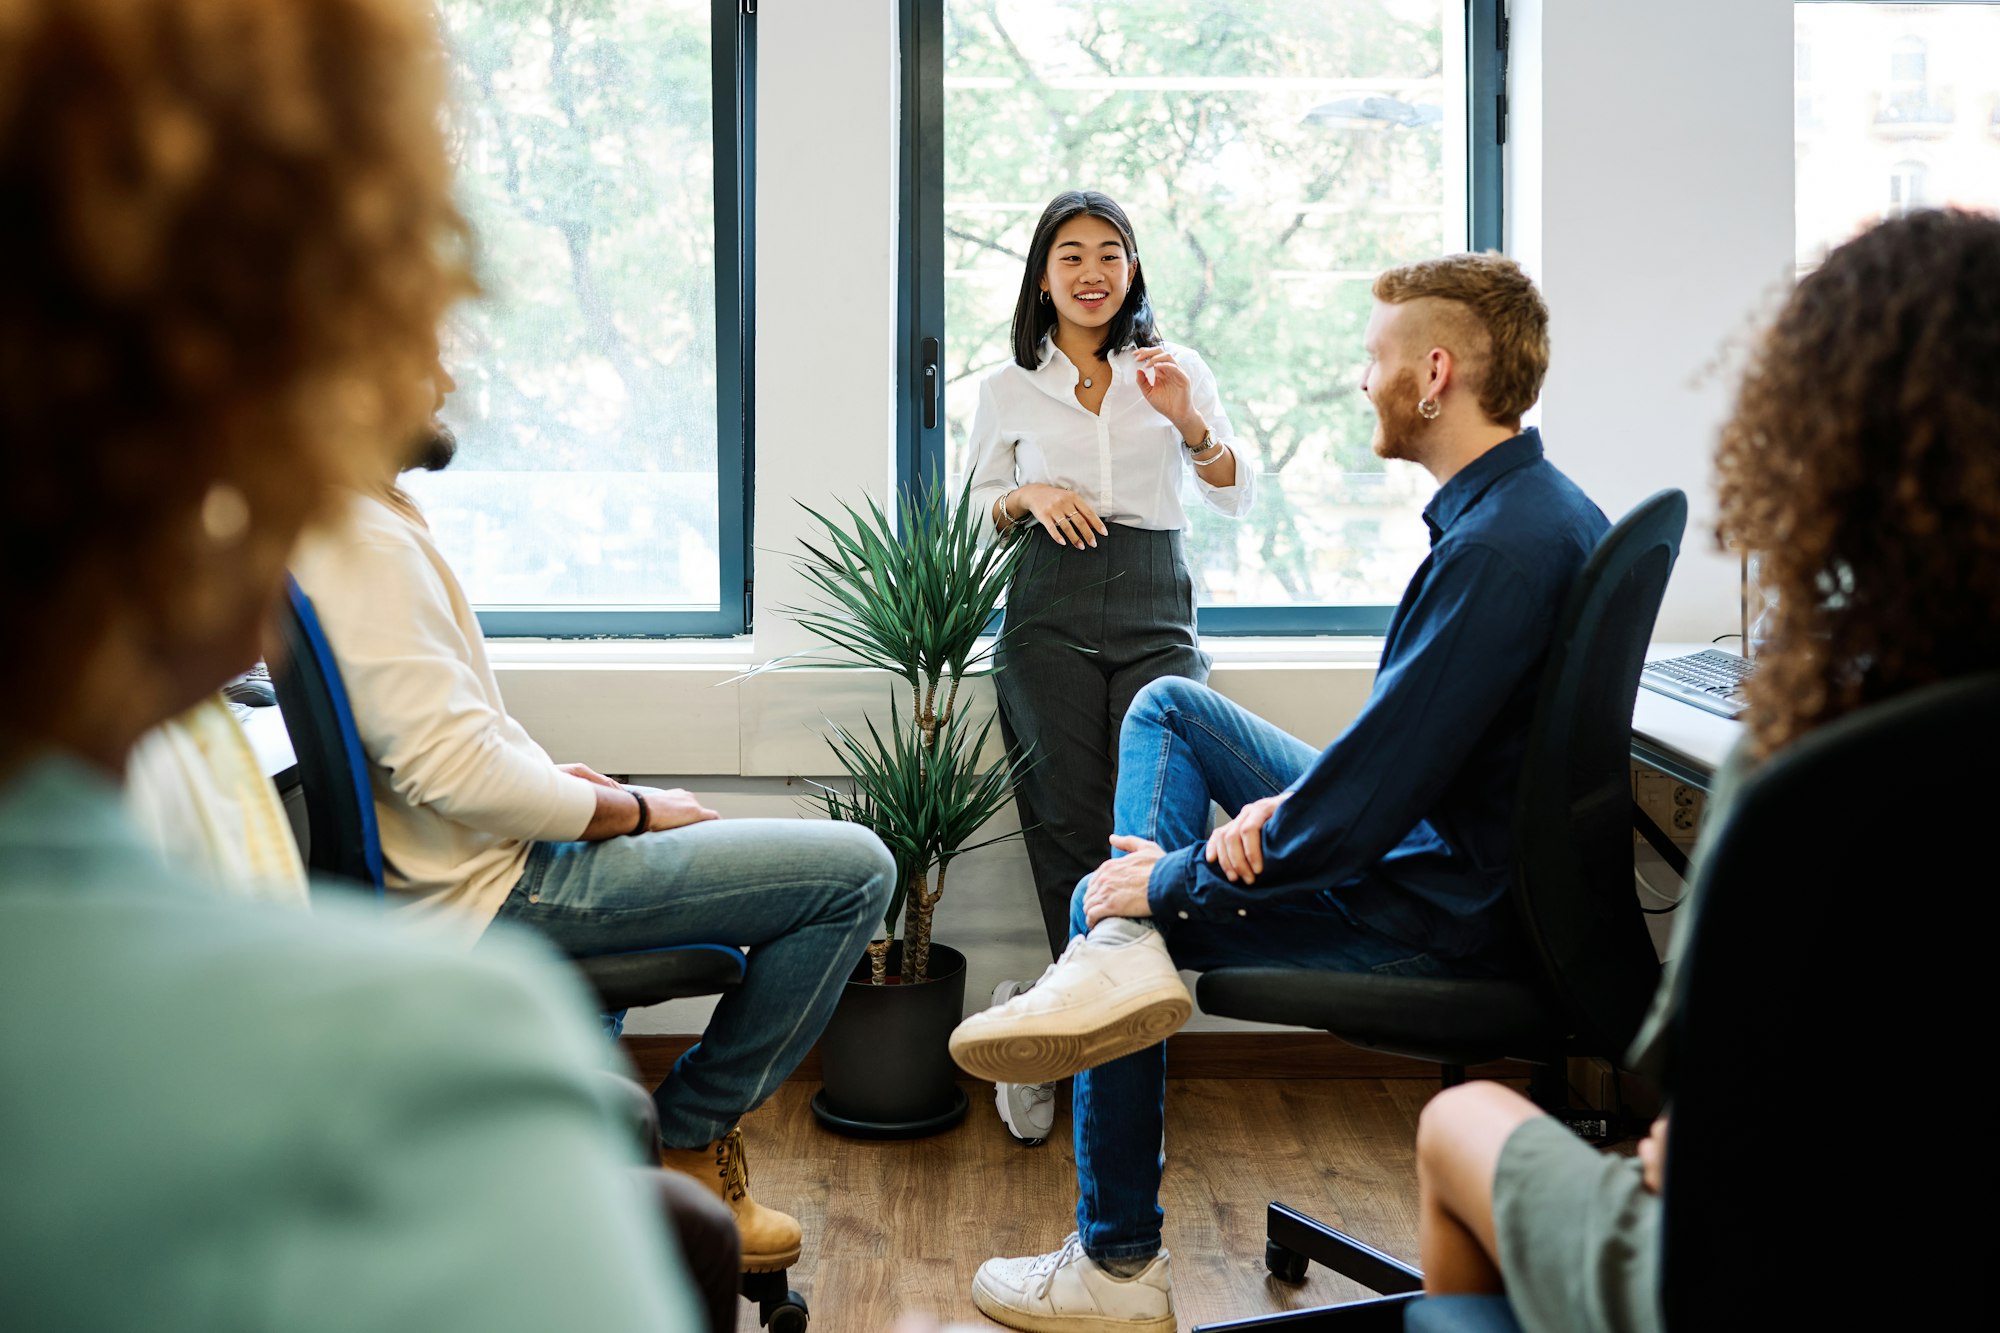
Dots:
(1131, 601)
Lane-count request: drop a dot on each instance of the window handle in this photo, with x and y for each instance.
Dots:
(933, 383)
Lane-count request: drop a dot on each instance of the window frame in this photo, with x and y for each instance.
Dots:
(733, 84)
(920, 415)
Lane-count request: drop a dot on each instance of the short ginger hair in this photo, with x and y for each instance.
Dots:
(1485, 311)
(230, 237)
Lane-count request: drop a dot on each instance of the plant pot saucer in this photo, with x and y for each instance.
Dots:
(874, 1129)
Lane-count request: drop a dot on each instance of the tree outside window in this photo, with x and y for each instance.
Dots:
(1274, 158)
(586, 406)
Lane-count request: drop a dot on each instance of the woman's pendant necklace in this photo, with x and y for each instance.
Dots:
(1087, 381)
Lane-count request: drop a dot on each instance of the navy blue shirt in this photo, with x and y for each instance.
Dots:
(1405, 822)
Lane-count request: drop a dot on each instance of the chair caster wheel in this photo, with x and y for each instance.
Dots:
(789, 1315)
(1285, 1265)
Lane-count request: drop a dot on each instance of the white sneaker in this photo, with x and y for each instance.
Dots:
(1113, 992)
(1028, 1110)
(1067, 1290)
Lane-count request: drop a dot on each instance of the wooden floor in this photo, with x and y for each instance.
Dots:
(898, 1228)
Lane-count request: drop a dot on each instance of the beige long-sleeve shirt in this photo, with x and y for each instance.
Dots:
(461, 790)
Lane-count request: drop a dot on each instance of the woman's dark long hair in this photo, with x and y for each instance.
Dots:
(1862, 464)
(1132, 326)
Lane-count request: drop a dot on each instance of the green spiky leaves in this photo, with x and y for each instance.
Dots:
(913, 598)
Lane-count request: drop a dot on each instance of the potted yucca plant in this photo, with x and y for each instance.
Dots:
(911, 599)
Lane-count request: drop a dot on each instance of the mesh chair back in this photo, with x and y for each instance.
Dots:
(1820, 986)
(1573, 823)
(340, 808)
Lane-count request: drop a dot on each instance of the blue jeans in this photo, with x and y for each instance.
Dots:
(1182, 747)
(803, 896)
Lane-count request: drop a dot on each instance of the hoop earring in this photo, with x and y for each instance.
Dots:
(1430, 409)
(1045, 297)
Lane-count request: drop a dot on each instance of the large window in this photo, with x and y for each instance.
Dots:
(1898, 108)
(1274, 158)
(603, 380)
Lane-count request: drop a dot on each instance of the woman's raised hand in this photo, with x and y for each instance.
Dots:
(1165, 385)
(1066, 515)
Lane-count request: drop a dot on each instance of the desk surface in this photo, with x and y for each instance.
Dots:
(1679, 739)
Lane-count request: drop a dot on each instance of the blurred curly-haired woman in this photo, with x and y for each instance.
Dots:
(1862, 464)
(229, 238)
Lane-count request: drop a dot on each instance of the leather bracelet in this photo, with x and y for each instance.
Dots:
(645, 815)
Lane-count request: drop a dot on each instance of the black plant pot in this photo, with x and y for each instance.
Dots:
(883, 1055)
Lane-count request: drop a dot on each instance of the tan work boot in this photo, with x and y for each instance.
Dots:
(770, 1238)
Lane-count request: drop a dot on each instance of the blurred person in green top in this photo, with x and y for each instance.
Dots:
(230, 238)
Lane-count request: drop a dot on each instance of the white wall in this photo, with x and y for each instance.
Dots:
(1649, 174)
(1650, 193)
(826, 276)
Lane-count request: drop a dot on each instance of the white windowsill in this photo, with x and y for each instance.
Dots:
(687, 707)
(741, 653)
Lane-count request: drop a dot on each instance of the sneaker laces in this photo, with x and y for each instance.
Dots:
(1045, 1267)
(1075, 943)
(732, 1167)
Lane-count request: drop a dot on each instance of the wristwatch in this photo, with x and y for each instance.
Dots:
(1208, 442)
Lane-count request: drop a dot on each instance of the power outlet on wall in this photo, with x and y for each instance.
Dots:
(1677, 809)
(1674, 806)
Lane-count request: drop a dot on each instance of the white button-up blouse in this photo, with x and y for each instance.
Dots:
(1126, 459)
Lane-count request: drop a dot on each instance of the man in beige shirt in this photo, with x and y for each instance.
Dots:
(478, 824)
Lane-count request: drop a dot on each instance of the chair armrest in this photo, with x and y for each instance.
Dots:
(651, 976)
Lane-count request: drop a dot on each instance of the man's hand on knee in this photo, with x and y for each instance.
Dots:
(672, 808)
(1238, 846)
(1118, 887)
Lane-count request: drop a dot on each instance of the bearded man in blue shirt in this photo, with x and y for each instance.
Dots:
(1388, 851)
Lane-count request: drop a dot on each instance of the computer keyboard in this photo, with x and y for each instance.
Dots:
(1711, 679)
(253, 688)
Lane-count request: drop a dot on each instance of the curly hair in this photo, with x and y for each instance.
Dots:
(1862, 465)
(1500, 325)
(230, 236)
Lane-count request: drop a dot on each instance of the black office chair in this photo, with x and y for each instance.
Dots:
(1770, 1181)
(1593, 962)
(343, 841)
(1836, 911)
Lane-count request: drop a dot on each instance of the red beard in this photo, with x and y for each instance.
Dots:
(1397, 423)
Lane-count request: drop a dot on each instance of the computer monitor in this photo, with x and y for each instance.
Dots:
(1753, 602)
(1743, 606)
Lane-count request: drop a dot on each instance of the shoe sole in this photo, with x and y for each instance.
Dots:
(773, 1262)
(1000, 1313)
(1043, 1057)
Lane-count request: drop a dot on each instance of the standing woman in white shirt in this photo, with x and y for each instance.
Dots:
(1090, 435)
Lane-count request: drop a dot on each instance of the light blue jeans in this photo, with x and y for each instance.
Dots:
(1183, 747)
(804, 896)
